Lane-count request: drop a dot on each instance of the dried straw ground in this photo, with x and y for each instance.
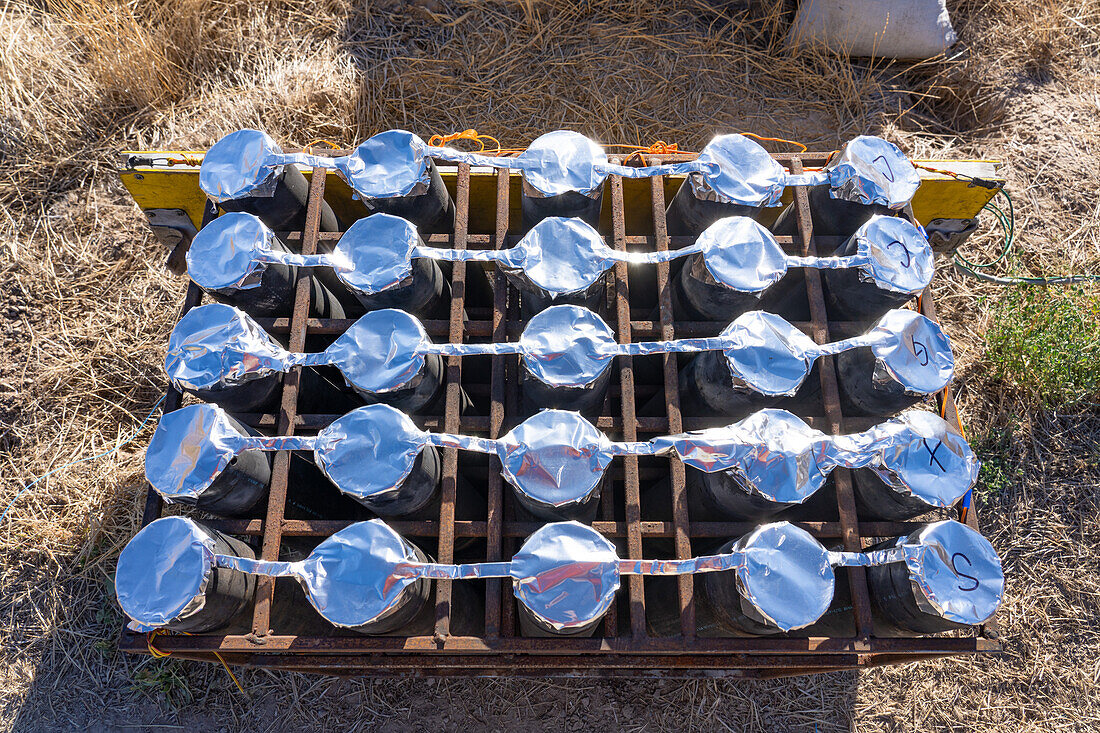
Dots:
(87, 306)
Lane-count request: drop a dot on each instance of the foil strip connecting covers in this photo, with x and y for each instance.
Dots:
(558, 457)
(730, 168)
(565, 573)
(215, 345)
(559, 256)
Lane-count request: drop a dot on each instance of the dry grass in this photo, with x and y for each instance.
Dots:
(87, 307)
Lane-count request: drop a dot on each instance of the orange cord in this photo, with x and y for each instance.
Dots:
(322, 141)
(158, 654)
(776, 140)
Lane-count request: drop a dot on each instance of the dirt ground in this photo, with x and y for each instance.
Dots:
(87, 307)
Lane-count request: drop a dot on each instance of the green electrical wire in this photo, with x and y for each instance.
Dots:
(1007, 219)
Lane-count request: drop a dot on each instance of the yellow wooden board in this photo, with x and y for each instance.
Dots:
(177, 187)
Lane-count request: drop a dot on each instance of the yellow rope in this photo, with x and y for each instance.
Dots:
(158, 654)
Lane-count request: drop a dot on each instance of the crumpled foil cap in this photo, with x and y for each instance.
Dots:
(742, 255)
(378, 252)
(560, 255)
(768, 353)
(163, 572)
(786, 575)
(746, 175)
(190, 448)
(955, 572)
(389, 164)
(223, 253)
(216, 345)
(917, 353)
(771, 453)
(556, 457)
(238, 165)
(350, 577)
(378, 353)
(563, 161)
(378, 438)
(870, 170)
(900, 258)
(571, 346)
(566, 574)
(921, 455)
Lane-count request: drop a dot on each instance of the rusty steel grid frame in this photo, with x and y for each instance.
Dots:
(621, 647)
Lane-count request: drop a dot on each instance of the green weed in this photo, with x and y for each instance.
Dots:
(164, 679)
(1045, 344)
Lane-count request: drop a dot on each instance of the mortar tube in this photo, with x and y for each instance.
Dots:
(689, 215)
(572, 204)
(587, 400)
(228, 592)
(861, 394)
(433, 212)
(707, 389)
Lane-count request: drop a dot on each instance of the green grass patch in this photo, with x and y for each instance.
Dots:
(1045, 343)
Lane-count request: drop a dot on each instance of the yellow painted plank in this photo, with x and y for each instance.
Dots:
(177, 187)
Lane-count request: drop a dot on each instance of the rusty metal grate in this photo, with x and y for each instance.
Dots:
(622, 647)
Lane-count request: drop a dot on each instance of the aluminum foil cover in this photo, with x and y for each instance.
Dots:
(379, 352)
(566, 574)
(243, 163)
(163, 571)
(771, 453)
(190, 448)
(786, 575)
(560, 255)
(870, 170)
(567, 346)
(555, 457)
(742, 255)
(349, 578)
(913, 351)
(747, 174)
(216, 345)
(919, 454)
(955, 572)
(898, 256)
(223, 255)
(369, 452)
(768, 353)
(563, 161)
(390, 164)
(376, 252)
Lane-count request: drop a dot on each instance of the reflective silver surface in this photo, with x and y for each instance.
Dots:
(771, 453)
(216, 345)
(189, 449)
(381, 351)
(163, 571)
(563, 161)
(370, 451)
(389, 164)
(225, 253)
(895, 255)
(239, 165)
(920, 455)
(747, 174)
(870, 170)
(555, 457)
(564, 345)
(566, 574)
(350, 577)
(912, 350)
(955, 572)
(786, 575)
